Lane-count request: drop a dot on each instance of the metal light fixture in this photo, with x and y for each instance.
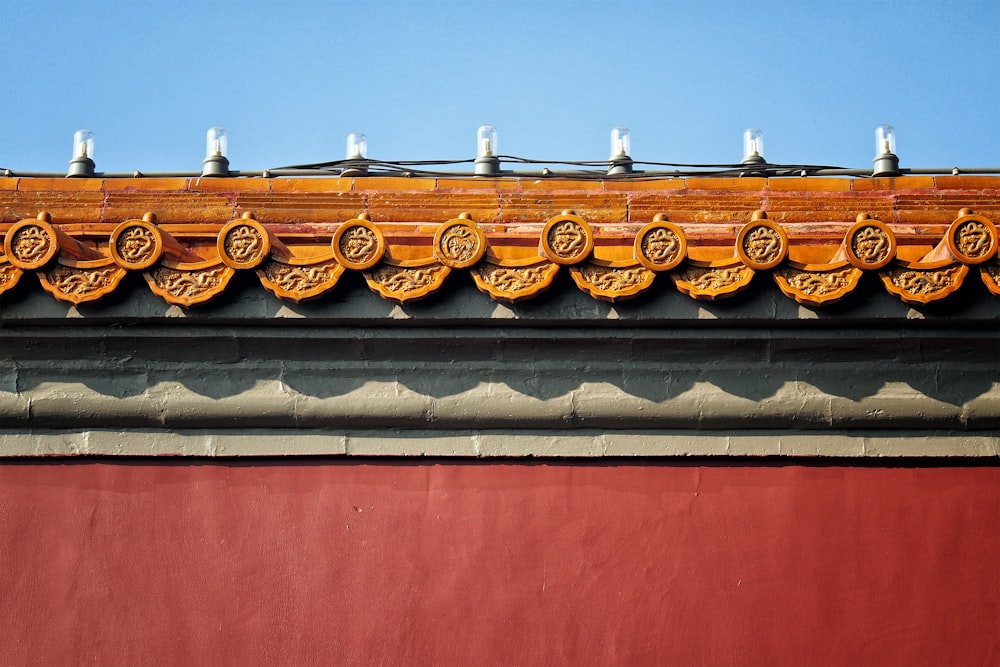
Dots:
(885, 163)
(216, 153)
(487, 163)
(621, 146)
(82, 163)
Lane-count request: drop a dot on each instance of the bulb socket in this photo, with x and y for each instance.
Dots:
(80, 167)
(215, 166)
(487, 166)
(756, 166)
(886, 164)
(619, 166)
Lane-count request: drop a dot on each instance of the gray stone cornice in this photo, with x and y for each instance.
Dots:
(575, 378)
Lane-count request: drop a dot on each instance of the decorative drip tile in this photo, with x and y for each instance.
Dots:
(189, 285)
(917, 283)
(991, 277)
(9, 275)
(817, 285)
(406, 283)
(300, 280)
(514, 283)
(611, 283)
(712, 281)
(86, 281)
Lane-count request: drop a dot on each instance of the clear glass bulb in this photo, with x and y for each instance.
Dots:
(83, 144)
(357, 146)
(753, 144)
(885, 140)
(216, 143)
(621, 142)
(486, 141)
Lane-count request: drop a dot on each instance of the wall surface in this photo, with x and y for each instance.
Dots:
(352, 561)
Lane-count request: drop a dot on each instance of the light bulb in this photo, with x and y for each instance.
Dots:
(216, 143)
(753, 145)
(82, 163)
(486, 141)
(885, 163)
(357, 146)
(216, 162)
(621, 142)
(83, 144)
(885, 140)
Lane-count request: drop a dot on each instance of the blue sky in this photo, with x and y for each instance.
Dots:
(289, 80)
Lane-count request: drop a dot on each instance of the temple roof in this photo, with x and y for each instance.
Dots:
(710, 238)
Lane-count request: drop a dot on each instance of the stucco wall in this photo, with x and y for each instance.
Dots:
(325, 562)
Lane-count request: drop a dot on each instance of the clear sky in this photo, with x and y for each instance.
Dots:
(289, 80)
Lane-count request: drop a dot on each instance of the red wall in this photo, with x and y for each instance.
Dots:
(478, 564)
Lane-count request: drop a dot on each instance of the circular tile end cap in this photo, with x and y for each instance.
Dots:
(136, 244)
(358, 244)
(870, 244)
(459, 243)
(660, 245)
(566, 239)
(971, 238)
(762, 244)
(31, 244)
(243, 243)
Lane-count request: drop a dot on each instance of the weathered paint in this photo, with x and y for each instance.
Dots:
(358, 562)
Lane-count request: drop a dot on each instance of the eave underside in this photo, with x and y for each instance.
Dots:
(565, 376)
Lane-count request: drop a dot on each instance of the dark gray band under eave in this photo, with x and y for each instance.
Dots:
(575, 378)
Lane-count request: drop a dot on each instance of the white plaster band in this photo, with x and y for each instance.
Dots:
(493, 443)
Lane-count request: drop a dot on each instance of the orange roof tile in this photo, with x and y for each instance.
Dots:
(814, 237)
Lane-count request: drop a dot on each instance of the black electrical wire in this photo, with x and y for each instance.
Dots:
(417, 168)
(356, 162)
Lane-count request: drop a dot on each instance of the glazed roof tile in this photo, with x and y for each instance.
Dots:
(710, 238)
